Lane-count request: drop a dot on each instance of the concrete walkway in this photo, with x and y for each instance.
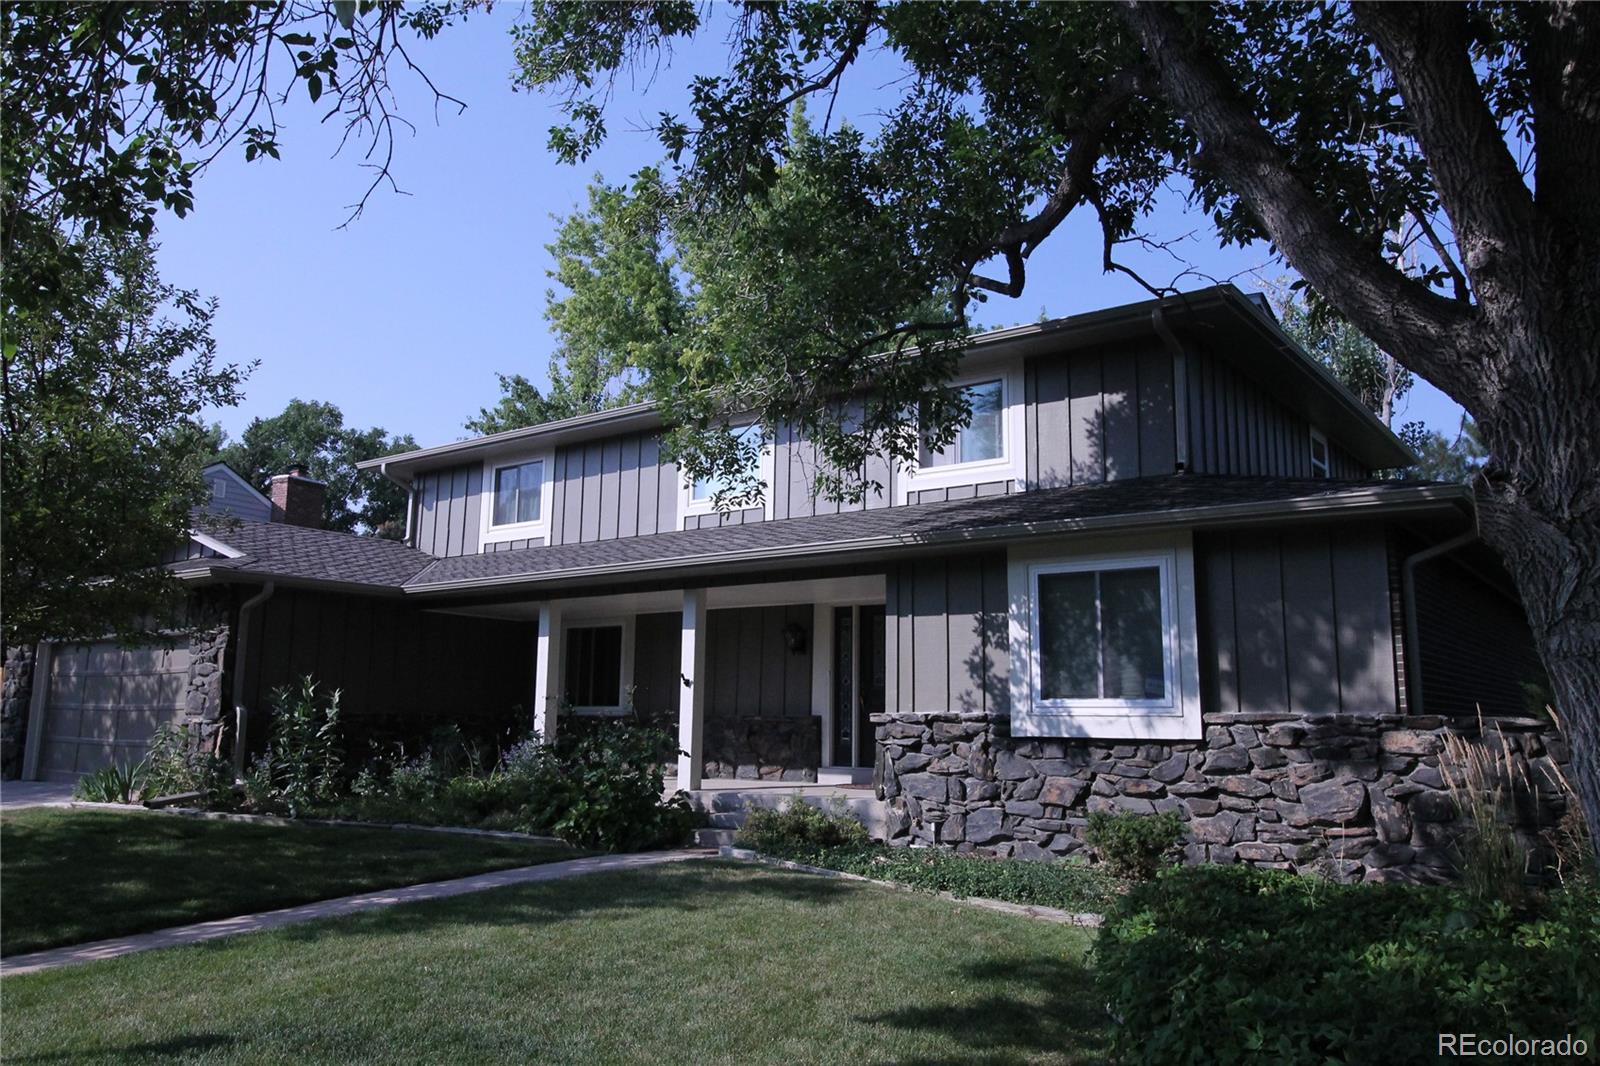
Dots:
(14, 795)
(329, 908)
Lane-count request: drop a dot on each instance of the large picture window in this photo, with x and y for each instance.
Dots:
(1102, 634)
(593, 673)
(983, 438)
(517, 492)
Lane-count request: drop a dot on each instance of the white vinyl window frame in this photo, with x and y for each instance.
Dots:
(1320, 468)
(489, 532)
(624, 668)
(1010, 465)
(689, 507)
(1174, 717)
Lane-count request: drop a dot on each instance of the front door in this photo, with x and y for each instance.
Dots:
(858, 682)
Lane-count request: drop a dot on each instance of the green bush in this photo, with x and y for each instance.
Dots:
(304, 760)
(176, 764)
(1233, 965)
(111, 784)
(1134, 846)
(603, 789)
(798, 826)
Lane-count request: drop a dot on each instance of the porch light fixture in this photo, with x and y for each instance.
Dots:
(794, 635)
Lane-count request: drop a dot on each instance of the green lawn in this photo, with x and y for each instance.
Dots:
(697, 962)
(71, 876)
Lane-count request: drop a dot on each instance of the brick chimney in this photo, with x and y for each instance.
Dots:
(297, 499)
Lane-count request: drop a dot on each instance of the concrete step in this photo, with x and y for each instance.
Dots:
(713, 838)
(726, 819)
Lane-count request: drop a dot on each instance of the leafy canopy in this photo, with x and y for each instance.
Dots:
(314, 434)
(103, 386)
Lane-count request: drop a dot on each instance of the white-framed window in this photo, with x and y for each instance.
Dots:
(516, 497)
(597, 665)
(1319, 454)
(983, 438)
(989, 448)
(1103, 640)
(699, 497)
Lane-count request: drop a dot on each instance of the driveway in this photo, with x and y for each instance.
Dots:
(18, 794)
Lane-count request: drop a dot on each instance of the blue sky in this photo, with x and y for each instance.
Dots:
(403, 317)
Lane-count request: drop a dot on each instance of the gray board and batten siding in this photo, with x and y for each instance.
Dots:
(1092, 415)
(1320, 590)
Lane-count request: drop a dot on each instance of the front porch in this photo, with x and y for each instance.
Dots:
(765, 683)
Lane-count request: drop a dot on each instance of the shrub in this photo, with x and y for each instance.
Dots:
(304, 760)
(799, 827)
(1134, 846)
(118, 783)
(602, 788)
(1230, 964)
(176, 765)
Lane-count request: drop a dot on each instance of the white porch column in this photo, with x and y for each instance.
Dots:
(692, 697)
(822, 675)
(547, 671)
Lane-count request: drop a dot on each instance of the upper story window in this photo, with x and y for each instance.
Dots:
(518, 493)
(705, 489)
(1319, 455)
(983, 438)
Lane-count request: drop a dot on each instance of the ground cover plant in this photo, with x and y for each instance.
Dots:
(71, 876)
(692, 962)
(835, 840)
(1234, 965)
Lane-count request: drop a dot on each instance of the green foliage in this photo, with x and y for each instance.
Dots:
(315, 435)
(1233, 965)
(117, 783)
(606, 790)
(176, 764)
(105, 371)
(1458, 458)
(1134, 846)
(1065, 885)
(798, 827)
(1350, 355)
(304, 761)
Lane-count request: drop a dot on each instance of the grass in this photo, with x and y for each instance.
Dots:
(695, 962)
(67, 876)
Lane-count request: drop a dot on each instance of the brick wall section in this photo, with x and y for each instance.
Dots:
(15, 696)
(1359, 797)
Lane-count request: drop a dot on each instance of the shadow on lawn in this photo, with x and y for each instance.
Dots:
(1072, 1015)
(681, 887)
(151, 1051)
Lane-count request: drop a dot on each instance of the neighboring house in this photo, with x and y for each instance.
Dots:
(1157, 572)
(233, 496)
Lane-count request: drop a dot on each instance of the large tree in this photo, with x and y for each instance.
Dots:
(314, 434)
(1322, 129)
(101, 388)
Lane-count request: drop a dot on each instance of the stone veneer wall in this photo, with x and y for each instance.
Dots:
(1361, 797)
(15, 696)
(766, 749)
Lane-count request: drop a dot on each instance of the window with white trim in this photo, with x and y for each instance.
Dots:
(593, 668)
(518, 493)
(704, 490)
(982, 439)
(1319, 454)
(1103, 634)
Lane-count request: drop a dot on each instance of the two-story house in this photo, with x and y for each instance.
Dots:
(1157, 571)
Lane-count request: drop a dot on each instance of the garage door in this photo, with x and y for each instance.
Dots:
(105, 702)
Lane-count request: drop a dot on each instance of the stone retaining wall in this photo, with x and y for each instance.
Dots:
(764, 749)
(15, 696)
(1359, 797)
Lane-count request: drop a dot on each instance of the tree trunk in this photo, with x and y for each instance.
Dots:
(1557, 573)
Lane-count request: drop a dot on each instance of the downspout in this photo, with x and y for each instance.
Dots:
(1180, 386)
(1408, 601)
(241, 716)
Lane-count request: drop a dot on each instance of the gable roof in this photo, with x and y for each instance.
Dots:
(1237, 326)
(367, 564)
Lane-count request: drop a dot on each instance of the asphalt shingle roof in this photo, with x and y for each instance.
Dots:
(275, 550)
(949, 522)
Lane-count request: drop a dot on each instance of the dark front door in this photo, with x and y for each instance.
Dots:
(870, 638)
(858, 682)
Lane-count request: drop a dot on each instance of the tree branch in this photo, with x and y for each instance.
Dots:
(1491, 208)
(1430, 333)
